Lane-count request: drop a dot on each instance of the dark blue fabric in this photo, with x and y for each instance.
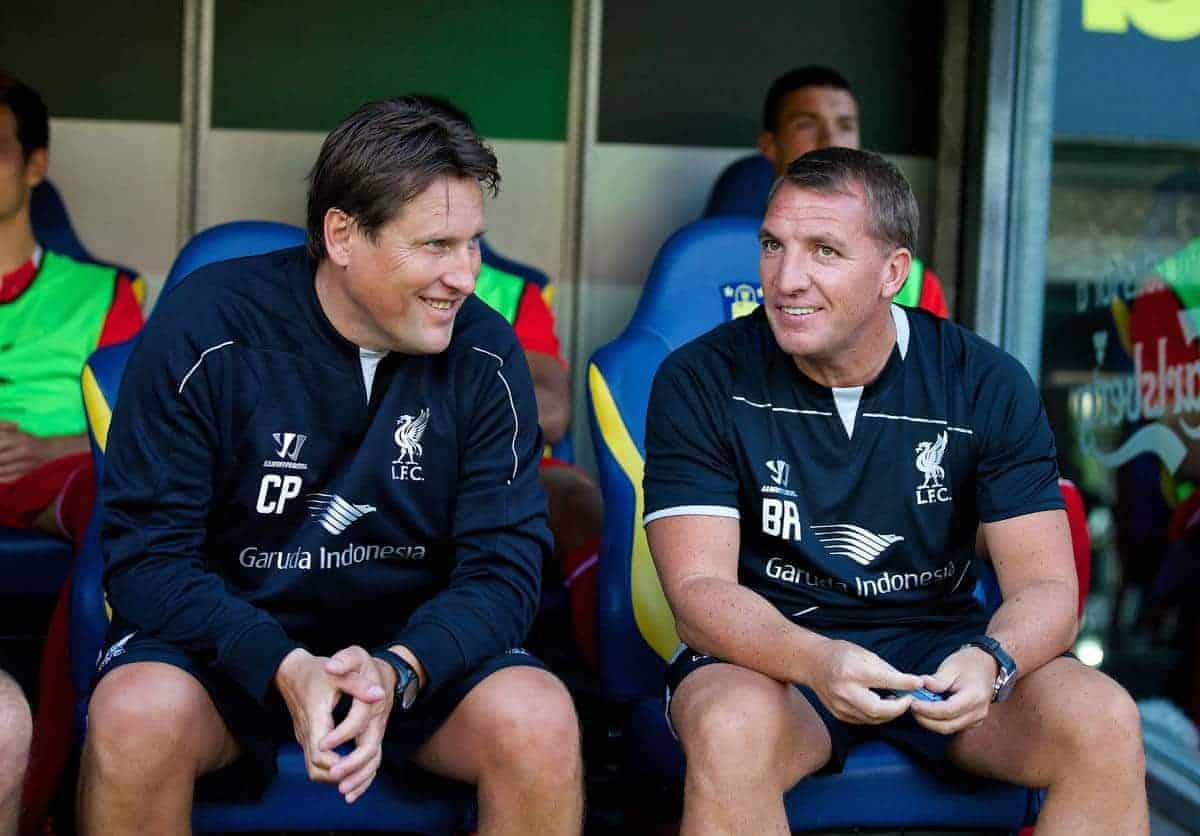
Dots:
(866, 537)
(238, 360)
(291, 802)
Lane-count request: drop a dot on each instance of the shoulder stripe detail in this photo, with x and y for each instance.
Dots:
(203, 354)
(511, 404)
(961, 577)
(695, 511)
(805, 611)
(940, 422)
(786, 409)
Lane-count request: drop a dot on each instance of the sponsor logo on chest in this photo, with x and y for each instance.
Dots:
(780, 517)
(406, 467)
(929, 462)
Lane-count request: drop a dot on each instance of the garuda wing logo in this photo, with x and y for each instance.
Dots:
(334, 513)
(854, 542)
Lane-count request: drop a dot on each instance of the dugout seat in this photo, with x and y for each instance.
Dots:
(742, 188)
(713, 265)
(418, 804)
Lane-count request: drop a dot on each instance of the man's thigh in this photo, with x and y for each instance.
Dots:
(500, 701)
(150, 702)
(239, 736)
(1025, 737)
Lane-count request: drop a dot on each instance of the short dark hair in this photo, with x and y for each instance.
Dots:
(385, 154)
(813, 75)
(33, 120)
(447, 107)
(891, 205)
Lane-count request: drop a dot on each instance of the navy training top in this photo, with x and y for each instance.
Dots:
(857, 504)
(256, 500)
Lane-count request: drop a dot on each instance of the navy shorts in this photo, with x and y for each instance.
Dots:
(910, 649)
(260, 729)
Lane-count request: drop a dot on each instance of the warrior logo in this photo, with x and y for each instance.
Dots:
(408, 438)
(287, 452)
(334, 513)
(779, 471)
(854, 542)
(287, 445)
(929, 462)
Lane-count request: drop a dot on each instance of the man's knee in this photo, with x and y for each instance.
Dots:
(16, 729)
(736, 722)
(531, 732)
(1109, 724)
(148, 718)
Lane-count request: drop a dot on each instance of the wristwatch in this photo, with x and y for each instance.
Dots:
(1006, 676)
(407, 682)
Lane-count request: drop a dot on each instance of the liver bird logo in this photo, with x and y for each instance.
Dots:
(408, 436)
(929, 461)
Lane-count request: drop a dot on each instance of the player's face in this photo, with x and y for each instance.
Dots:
(827, 282)
(18, 175)
(409, 283)
(810, 118)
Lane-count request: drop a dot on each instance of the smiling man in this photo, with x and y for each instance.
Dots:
(322, 490)
(816, 473)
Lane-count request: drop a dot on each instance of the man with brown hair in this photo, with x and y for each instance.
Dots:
(322, 489)
(816, 473)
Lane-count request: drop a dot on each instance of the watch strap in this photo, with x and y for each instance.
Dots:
(407, 682)
(1006, 672)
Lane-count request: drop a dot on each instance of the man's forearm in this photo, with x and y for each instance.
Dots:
(552, 391)
(730, 621)
(57, 446)
(1036, 624)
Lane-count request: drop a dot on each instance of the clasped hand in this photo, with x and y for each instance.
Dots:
(847, 676)
(311, 687)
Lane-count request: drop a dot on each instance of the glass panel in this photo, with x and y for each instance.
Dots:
(1121, 342)
(1121, 381)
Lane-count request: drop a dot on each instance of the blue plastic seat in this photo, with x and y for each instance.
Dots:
(419, 804)
(713, 265)
(742, 188)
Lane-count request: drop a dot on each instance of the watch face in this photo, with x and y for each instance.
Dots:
(408, 695)
(1004, 683)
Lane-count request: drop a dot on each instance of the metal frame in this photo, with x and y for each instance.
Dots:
(1008, 223)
